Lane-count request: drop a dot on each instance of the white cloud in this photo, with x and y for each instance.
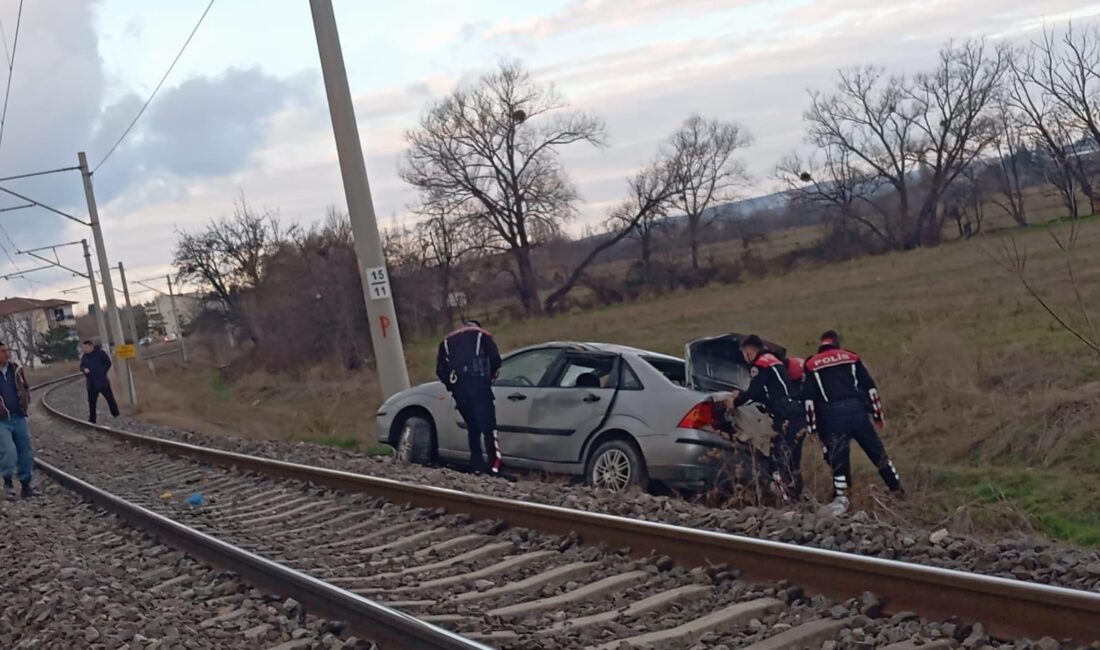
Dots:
(199, 147)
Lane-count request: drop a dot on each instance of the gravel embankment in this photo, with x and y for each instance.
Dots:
(74, 576)
(1025, 559)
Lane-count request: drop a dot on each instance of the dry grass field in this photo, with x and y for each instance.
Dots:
(992, 408)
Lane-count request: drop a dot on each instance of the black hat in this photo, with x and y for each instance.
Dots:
(752, 341)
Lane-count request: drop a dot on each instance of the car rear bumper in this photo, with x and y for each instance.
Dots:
(688, 458)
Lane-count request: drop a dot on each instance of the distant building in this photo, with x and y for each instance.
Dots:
(161, 316)
(23, 321)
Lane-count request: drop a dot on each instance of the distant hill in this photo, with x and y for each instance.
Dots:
(743, 208)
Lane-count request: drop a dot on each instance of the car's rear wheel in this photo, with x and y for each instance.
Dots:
(617, 465)
(415, 441)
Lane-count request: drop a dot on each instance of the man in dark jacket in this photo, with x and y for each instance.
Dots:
(772, 388)
(842, 404)
(95, 363)
(16, 453)
(467, 363)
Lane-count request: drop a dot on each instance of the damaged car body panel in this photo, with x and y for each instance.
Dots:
(618, 416)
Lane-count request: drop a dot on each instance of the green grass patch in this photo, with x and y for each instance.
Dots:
(217, 384)
(378, 449)
(1062, 506)
(349, 442)
(340, 442)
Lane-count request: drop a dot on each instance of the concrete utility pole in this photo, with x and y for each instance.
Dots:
(113, 319)
(385, 335)
(132, 320)
(176, 318)
(99, 320)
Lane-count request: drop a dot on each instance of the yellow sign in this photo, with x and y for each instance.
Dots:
(126, 351)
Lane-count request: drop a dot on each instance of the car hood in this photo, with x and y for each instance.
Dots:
(715, 363)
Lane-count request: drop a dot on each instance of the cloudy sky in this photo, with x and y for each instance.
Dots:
(244, 110)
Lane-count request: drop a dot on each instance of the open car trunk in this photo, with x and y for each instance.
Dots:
(715, 365)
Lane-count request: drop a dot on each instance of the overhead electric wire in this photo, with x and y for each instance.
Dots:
(4, 36)
(11, 68)
(155, 90)
(11, 258)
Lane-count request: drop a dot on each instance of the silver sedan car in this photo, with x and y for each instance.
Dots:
(617, 416)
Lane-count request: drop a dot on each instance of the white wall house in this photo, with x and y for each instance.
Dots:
(23, 322)
(189, 307)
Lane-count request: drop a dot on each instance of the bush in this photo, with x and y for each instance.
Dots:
(58, 345)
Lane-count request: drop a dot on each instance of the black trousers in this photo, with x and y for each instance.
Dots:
(94, 391)
(786, 455)
(475, 405)
(838, 428)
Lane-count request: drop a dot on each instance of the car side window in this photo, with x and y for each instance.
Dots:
(630, 380)
(587, 372)
(526, 368)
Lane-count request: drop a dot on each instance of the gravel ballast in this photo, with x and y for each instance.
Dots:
(121, 467)
(1020, 558)
(74, 576)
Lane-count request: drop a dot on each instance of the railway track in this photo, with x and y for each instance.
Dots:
(514, 574)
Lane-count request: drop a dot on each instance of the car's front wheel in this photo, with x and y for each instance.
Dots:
(617, 465)
(414, 442)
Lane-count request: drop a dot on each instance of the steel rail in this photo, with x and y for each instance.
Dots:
(1009, 609)
(392, 628)
(389, 627)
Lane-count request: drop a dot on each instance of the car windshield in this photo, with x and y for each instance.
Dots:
(672, 369)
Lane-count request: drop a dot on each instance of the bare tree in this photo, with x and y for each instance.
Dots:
(644, 229)
(1010, 145)
(834, 182)
(951, 104)
(703, 153)
(1078, 320)
(864, 127)
(965, 201)
(890, 128)
(1048, 123)
(228, 256)
(1069, 72)
(491, 151)
(651, 190)
(17, 331)
(446, 241)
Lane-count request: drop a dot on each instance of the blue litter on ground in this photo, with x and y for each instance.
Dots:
(196, 499)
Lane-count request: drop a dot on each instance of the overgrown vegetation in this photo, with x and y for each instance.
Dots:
(920, 226)
(980, 386)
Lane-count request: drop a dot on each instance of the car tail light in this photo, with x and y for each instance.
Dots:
(701, 416)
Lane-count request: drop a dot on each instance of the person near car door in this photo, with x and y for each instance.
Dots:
(771, 387)
(467, 362)
(842, 404)
(16, 453)
(95, 363)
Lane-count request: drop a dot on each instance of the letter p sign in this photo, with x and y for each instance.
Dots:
(384, 321)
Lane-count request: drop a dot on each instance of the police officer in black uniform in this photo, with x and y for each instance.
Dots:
(467, 362)
(842, 404)
(772, 388)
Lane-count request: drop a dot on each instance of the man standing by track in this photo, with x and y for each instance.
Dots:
(842, 401)
(467, 362)
(16, 453)
(95, 364)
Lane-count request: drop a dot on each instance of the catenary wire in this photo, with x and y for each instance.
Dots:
(155, 90)
(11, 69)
(4, 38)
